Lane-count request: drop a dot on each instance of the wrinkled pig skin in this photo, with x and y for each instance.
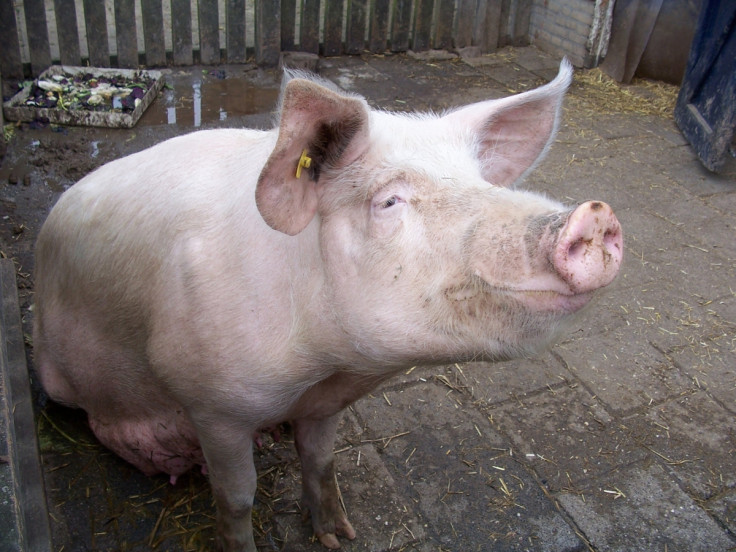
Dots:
(189, 295)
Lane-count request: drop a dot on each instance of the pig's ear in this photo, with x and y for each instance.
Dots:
(319, 128)
(513, 134)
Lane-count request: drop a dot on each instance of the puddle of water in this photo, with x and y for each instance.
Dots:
(195, 99)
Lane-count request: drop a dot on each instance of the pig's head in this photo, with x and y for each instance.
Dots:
(429, 254)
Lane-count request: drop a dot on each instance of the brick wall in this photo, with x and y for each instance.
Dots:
(563, 27)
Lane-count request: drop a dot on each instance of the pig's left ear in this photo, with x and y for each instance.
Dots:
(319, 128)
(514, 133)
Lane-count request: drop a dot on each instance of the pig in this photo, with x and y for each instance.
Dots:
(229, 280)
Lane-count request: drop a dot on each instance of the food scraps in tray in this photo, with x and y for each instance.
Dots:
(116, 93)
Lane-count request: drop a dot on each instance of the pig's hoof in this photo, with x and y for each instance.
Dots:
(329, 540)
(342, 528)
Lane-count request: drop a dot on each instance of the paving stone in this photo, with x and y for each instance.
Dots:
(495, 382)
(643, 509)
(723, 508)
(566, 436)
(623, 370)
(695, 438)
(709, 362)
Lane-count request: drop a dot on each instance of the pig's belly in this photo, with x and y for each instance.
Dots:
(161, 442)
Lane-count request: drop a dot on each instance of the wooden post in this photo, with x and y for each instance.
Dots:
(38, 35)
(309, 31)
(268, 31)
(153, 33)
(209, 33)
(96, 23)
(357, 17)
(10, 60)
(235, 31)
(181, 32)
(332, 43)
(126, 36)
(378, 33)
(66, 25)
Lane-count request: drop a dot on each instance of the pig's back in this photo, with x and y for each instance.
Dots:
(130, 212)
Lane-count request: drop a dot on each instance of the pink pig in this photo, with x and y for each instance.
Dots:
(229, 280)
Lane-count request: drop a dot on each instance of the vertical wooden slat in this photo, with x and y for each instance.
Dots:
(126, 36)
(378, 33)
(235, 31)
(66, 26)
(357, 17)
(422, 37)
(20, 428)
(332, 43)
(309, 32)
(11, 64)
(488, 25)
(288, 25)
(521, 22)
(96, 24)
(443, 31)
(153, 32)
(181, 32)
(38, 35)
(401, 25)
(465, 23)
(268, 31)
(209, 33)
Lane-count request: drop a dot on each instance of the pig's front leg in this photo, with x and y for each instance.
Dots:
(229, 454)
(315, 440)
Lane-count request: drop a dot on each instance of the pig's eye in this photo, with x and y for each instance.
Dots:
(390, 202)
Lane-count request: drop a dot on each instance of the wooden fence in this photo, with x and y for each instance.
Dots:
(333, 28)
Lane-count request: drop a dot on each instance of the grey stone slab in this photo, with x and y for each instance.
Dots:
(495, 382)
(663, 128)
(514, 77)
(685, 303)
(438, 85)
(643, 509)
(623, 370)
(723, 508)
(694, 436)
(446, 458)
(710, 362)
(566, 436)
(690, 174)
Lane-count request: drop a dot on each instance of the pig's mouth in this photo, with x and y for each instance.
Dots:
(535, 300)
(547, 300)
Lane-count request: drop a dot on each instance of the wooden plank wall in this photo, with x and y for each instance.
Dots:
(325, 27)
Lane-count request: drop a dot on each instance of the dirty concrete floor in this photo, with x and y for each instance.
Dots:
(621, 437)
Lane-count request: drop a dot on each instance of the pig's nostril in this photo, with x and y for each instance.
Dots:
(577, 248)
(612, 239)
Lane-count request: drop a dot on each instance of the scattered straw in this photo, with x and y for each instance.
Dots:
(642, 96)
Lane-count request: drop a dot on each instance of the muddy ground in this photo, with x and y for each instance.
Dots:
(619, 438)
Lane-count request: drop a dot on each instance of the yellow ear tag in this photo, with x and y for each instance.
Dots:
(304, 162)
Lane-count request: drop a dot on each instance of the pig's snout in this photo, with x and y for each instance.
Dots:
(589, 248)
